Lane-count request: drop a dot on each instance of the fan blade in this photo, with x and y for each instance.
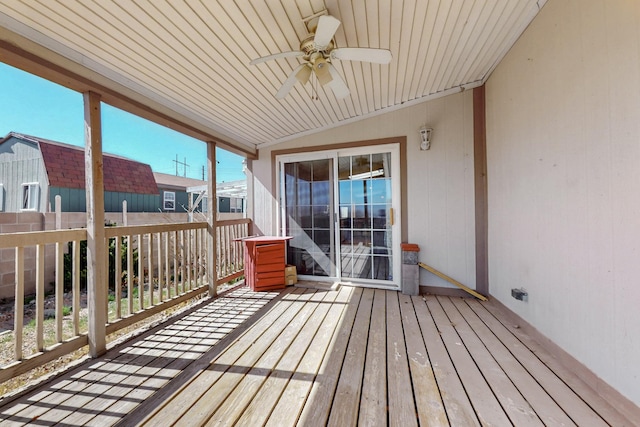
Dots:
(327, 27)
(339, 87)
(276, 56)
(288, 84)
(322, 70)
(377, 56)
(304, 74)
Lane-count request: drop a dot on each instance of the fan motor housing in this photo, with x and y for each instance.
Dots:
(308, 47)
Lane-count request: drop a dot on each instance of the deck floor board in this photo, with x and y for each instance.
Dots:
(351, 356)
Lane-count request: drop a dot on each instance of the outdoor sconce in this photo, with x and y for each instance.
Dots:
(425, 138)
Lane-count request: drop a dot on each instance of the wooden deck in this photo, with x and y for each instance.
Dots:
(311, 357)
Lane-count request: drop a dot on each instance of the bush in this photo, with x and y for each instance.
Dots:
(68, 263)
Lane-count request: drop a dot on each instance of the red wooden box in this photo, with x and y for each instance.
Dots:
(264, 262)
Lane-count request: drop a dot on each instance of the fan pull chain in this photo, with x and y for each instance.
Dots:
(313, 83)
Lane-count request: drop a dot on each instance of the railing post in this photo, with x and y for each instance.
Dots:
(212, 209)
(96, 251)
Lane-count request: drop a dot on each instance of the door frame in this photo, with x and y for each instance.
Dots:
(325, 151)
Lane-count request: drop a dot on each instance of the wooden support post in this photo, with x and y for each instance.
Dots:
(480, 184)
(96, 247)
(212, 209)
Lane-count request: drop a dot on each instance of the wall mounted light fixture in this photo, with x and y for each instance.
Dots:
(425, 138)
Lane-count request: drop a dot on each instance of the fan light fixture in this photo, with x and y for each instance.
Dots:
(317, 51)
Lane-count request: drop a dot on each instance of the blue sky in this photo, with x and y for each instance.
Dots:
(34, 106)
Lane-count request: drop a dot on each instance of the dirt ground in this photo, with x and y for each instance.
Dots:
(7, 310)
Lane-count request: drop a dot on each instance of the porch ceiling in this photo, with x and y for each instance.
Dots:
(190, 59)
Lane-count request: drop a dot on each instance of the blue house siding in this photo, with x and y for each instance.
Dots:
(181, 203)
(74, 200)
(224, 204)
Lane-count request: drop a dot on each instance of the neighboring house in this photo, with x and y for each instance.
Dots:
(34, 170)
(174, 196)
(232, 196)
(176, 190)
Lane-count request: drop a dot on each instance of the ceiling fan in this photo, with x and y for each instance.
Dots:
(317, 51)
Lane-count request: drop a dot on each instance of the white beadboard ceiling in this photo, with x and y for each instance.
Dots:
(193, 56)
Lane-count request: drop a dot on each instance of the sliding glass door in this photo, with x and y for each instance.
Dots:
(341, 208)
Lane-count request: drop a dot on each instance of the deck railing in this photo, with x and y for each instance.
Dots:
(151, 268)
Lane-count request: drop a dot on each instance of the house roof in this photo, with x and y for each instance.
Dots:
(174, 182)
(191, 60)
(64, 165)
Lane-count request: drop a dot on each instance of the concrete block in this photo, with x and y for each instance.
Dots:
(409, 257)
(410, 279)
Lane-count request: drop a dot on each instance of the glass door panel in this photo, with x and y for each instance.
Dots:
(309, 208)
(365, 201)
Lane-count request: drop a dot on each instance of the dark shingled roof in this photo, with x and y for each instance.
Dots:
(65, 168)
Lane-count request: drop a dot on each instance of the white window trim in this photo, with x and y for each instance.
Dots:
(171, 199)
(33, 189)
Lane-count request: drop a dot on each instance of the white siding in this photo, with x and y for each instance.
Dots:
(21, 163)
(440, 191)
(563, 126)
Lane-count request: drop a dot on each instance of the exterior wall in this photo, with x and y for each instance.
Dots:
(135, 202)
(440, 187)
(74, 200)
(224, 204)
(182, 199)
(563, 120)
(21, 163)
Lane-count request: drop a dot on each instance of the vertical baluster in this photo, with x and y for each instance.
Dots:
(218, 253)
(187, 285)
(201, 265)
(107, 260)
(117, 281)
(167, 270)
(75, 284)
(140, 272)
(59, 290)
(230, 251)
(40, 297)
(18, 317)
(224, 249)
(160, 269)
(176, 263)
(234, 243)
(203, 256)
(150, 267)
(246, 234)
(183, 260)
(130, 272)
(194, 258)
(227, 251)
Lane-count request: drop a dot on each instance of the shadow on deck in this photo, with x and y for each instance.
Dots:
(317, 357)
